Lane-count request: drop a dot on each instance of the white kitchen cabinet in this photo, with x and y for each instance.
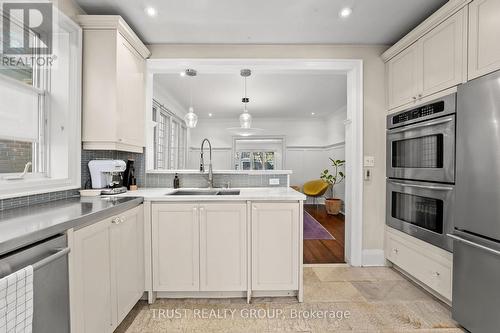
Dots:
(435, 62)
(484, 32)
(429, 265)
(275, 246)
(107, 271)
(403, 77)
(175, 241)
(223, 247)
(92, 279)
(113, 99)
(443, 55)
(127, 245)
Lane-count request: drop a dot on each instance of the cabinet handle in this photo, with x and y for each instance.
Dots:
(395, 251)
(414, 98)
(115, 220)
(436, 274)
(419, 95)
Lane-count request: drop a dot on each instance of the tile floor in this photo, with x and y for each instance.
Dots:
(374, 299)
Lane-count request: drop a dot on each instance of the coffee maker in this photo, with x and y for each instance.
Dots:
(108, 176)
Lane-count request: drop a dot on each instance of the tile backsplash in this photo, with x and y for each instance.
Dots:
(34, 199)
(220, 180)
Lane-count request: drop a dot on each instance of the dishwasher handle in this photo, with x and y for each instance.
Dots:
(47, 260)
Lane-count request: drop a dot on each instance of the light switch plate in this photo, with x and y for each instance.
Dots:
(369, 161)
(274, 181)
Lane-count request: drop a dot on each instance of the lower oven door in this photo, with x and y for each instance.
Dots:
(424, 151)
(422, 210)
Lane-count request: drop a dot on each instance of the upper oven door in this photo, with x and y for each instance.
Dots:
(423, 151)
(423, 210)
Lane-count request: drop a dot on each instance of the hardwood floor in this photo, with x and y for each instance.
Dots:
(325, 251)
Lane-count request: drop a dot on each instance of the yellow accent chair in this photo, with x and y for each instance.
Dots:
(315, 188)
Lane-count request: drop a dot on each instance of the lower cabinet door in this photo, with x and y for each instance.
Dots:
(275, 246)
(175, 241)
(127, 239)
(92, 279)
(223, 247)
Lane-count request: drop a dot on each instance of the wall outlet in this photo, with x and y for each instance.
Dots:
(274, 181)
(369, 161)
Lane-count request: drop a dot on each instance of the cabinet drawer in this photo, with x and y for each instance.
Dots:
(414, 261)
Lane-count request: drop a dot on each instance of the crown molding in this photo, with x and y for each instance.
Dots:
(447, 10)
(114, 22)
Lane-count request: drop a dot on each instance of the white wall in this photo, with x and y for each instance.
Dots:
(310, 142)
(374, 108)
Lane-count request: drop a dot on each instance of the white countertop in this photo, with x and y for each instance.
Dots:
(223, 172)
(246, 194)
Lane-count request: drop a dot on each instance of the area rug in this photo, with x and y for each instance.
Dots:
(313, 229)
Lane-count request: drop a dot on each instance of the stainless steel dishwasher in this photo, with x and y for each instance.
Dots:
(49, 259)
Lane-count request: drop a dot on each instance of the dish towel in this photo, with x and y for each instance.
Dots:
(16, 301)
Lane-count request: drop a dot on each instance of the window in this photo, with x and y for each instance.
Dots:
(40, 114)
(255, 160)
(258, 153)
(169, 140)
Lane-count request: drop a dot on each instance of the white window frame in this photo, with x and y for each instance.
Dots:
(41, 182)
(181, 135)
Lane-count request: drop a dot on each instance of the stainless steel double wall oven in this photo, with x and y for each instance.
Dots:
(421, 171)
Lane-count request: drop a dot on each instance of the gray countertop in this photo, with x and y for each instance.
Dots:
(26, 225)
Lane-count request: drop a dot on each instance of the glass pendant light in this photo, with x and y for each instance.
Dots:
(245, 117)
(191, 119)
(245, 128)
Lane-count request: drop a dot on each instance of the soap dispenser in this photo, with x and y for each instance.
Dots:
(176, 181)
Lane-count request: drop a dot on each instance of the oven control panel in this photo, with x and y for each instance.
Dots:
(419, 112)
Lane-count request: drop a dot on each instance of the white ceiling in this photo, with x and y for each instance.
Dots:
(268, 21)
(272, 95)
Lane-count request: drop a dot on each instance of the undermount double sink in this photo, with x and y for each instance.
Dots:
(205, 192)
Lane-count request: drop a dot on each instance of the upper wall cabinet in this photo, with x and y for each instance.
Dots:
(113, 85)
(435, 62)
(403, 77)
(484, 32)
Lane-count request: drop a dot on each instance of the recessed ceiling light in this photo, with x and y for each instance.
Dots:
(345, 12)
(312, 113)
(183, 73)
(150, 11)
(210, 115)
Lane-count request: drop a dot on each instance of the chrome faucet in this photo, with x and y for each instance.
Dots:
(202, 163)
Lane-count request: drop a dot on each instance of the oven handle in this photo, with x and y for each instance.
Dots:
(479, 246)
(429, 187)
(60, 253)
(426, 124)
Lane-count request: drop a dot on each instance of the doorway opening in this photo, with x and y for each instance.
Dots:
(292, 139)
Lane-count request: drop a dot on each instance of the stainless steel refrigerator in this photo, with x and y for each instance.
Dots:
(476, 256)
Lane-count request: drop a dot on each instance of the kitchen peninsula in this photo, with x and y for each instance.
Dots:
(234, 242)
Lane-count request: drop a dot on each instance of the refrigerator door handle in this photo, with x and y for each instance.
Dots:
(468, 242)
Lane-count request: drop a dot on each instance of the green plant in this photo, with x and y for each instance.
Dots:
(336, 177)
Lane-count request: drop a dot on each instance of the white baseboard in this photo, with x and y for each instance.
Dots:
(373, 257)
